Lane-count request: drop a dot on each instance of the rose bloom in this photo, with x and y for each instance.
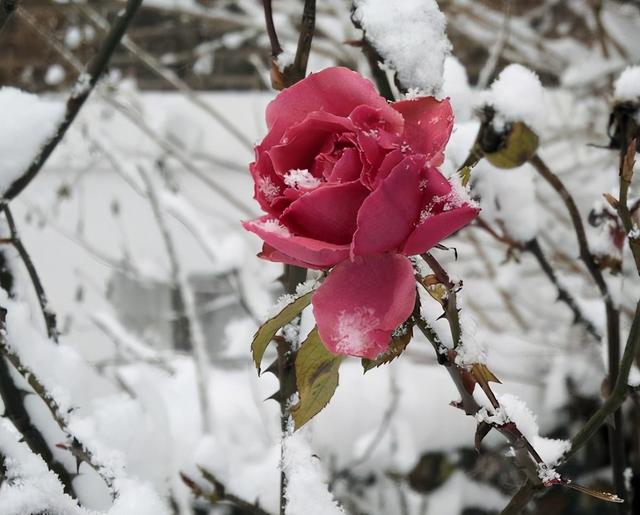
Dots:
(350, 181)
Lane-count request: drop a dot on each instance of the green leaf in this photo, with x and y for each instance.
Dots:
(268, 330)
(398, 344)
(316, 378)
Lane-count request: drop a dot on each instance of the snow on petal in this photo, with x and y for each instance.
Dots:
(296, 178)
(319, 254)
(361, 303)
(428, 125)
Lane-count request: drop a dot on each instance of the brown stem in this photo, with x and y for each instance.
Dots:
(521, 499)
(612, 315)
(276, 49)
(564, 295)
(304, 41)
(76, 447)
(627, 161)
(81, 91)
(7, 8)
(220, 494)
(617, 395)
(451, 302)
(48, 315)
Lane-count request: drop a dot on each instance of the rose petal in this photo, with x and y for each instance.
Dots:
(389, 214)
(334, 90)
(362, 302)
(367, 117)
(318, 254)
(301, 143)
(436, 228)
(268, 253)
(427, 125)
(327, 213)
(347, 168)
(434, 184)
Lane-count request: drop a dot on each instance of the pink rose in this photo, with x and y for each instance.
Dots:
(348, 179)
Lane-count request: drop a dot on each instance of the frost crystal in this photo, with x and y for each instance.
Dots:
(410, 37)
(268, 188)
(274, 226)
(301, 179)
(352, 330)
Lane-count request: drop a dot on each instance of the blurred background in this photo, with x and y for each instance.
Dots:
(181, 106)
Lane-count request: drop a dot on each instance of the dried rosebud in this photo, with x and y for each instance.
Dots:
(509, 146)
(624, 120)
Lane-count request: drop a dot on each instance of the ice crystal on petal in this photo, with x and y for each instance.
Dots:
(353, 330)
(301, 179)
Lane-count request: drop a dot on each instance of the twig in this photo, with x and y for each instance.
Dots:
(76, 447)
(627, 161)
(276, 48)
(168, 75)
(450, 302)
(81, 91)
(619, 392)
(521, 499)
(616, 433)
(48, 315)
(496, 50)
(564, 295)
(187, 325)
(304, 41)
(7, 8)
(167, 146)
(220, 494)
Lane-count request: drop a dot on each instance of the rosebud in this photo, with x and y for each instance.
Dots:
(624, 125)
(508, 147)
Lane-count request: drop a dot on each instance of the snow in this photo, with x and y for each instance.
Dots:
(33, 121)
(352, 333)
(301, 179)
(410, 37)
(307, 492)
(550, 450)
(274, 226)
(627, 85)
(55, 75)
(73, 37)
(286, 299)
(517, 95)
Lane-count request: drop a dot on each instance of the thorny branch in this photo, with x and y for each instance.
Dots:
(77, 448)
(219, 494)
(612, 314)
(81, 91)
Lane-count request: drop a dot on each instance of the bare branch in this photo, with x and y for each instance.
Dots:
(81, 91)
(48, 315)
